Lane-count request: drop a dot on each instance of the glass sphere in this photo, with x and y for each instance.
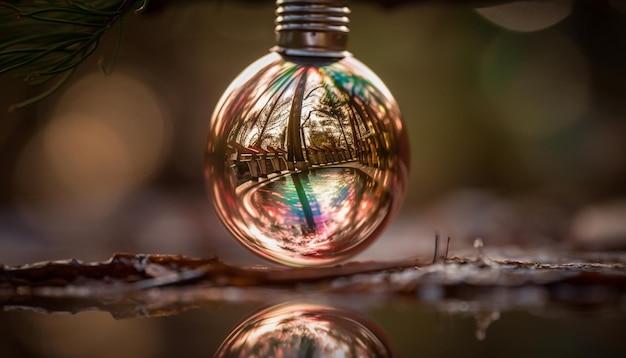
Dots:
(305, 330)
(307, 159)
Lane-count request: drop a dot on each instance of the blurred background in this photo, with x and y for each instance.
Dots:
(515, 114)
(516, 117)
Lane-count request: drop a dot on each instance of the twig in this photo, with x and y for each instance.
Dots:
(130, 285)
(436, 247)
(132, 272)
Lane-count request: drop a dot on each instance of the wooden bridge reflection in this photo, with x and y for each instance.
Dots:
(253, 163)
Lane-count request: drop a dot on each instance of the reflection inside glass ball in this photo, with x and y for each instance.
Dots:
(305, 330)
(306, 162)
(312, 211)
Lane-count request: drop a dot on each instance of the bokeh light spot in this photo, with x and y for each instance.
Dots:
(538, 84)
(106, 137)
(86, 155)
(527, 16)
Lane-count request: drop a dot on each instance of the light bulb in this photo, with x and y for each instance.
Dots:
(307, 154)
(306, 330)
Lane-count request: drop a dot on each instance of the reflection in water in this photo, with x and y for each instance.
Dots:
(305, 330)
(306, 160)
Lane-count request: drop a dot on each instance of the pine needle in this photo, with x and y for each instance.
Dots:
(48, 39)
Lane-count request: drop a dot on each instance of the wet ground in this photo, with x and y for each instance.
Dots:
(411, 328)
(164, 306)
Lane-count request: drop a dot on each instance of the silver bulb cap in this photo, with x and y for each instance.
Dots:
(312, 28)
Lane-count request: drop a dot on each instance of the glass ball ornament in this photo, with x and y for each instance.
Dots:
(301, 329)
(307, 154)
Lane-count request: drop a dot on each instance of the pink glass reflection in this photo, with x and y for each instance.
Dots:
(306, 161)
(305, 330)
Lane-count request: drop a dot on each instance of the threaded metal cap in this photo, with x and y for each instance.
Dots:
(317, 28)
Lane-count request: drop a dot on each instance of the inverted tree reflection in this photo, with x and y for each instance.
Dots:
(305, 109)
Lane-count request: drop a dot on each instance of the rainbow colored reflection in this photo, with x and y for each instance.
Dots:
(306, 161)
(315, 214)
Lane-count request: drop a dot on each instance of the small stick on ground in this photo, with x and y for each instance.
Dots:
(436, 247)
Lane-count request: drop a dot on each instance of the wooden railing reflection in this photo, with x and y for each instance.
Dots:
(255, 162)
